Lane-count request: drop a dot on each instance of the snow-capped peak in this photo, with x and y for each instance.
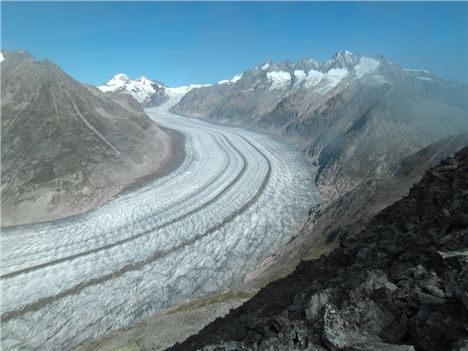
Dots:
(119, 78)
(146, 91)
(1, 57)
(266, 65)
(234, 79)
(142, 79)
(344, 53)
(185, 89)
(366, 65)
(142, 89)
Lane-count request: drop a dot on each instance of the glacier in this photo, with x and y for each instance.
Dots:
(236, 199)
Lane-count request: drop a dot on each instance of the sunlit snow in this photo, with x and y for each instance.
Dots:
(141, 89)
(234, 79)
(279, 79)
(300, 75)
(313, 78)
(366, 65)
(331, 79)
(173, 92)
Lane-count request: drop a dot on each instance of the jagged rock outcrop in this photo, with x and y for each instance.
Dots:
(399, 284)
(68, 147)
(355, 117)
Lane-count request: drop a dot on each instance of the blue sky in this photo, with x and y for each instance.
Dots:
(186, 42)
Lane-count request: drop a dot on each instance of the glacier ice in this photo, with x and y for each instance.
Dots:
(237, 198)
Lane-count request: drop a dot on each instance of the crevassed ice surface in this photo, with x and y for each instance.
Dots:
(236, 199)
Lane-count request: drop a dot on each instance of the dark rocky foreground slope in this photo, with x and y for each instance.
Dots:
(68, 147)
(399, 284)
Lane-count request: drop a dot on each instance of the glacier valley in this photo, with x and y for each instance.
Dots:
(236, 199)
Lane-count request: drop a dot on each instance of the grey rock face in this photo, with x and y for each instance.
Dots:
(355, 117)
(67, 147)
(317, 303)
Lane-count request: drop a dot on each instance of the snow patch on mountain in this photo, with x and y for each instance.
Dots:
(416, 70)
(300, 76)
(279, 79)
(366, 65)
(265, 66)
(425, 78)
(146, 91)
(234, 79)
(141, 89)
(117, 81)
(184, 89)
(1, 57)
(332, 79)
(313, 78)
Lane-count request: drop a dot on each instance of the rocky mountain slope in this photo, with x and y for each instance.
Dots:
(399, 284)
(355, 117)
(351, 212)
(68, 147)
(147, 92)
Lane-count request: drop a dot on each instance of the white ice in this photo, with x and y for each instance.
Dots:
(265, 66)
(313, 78)
(366, 65)
(234, 79)
(300, 75)
(197, 231)
(141, 88)
(331, 79)
(279, 79)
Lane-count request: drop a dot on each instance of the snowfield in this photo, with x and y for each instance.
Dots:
(237, 198)
(279, 80)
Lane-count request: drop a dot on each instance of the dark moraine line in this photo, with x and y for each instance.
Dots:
(146, 232)
(35, 306)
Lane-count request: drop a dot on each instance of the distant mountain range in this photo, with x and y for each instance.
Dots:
(68, 147)
(354, 117)
(147, 92)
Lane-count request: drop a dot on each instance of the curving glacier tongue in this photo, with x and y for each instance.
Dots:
(236, 199)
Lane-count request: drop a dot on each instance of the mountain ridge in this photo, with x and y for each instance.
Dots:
(148, 92)
(68, 147)
(354, 117)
